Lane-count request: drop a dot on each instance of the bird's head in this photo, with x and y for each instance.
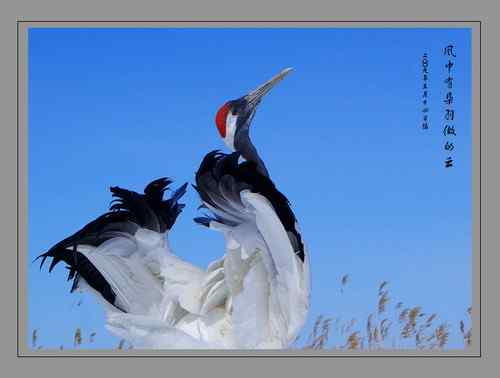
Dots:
(235, 116)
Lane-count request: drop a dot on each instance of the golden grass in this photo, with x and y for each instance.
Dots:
(77, 339)
(405, 327)
(409, 327)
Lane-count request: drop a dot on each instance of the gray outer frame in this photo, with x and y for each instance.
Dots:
(24, 350)
(298, 365)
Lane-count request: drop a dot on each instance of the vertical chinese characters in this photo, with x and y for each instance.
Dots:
(425, 78)
(449, 111)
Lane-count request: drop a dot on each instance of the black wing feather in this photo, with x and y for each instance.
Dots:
(221, 176)
(129, 211)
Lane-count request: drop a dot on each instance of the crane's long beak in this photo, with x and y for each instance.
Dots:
(256, 95)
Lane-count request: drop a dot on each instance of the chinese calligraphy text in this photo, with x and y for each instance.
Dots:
(425, 96)
(449, 111)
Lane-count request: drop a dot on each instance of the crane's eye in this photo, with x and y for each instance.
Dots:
(221, 119)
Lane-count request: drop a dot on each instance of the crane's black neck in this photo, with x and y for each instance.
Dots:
(243, 144)
(245, 147)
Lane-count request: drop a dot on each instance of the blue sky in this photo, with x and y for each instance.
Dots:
(341, 137)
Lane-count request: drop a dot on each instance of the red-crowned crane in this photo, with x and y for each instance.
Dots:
(256, 296)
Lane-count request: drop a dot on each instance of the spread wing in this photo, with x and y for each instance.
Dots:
(265, 266)
(120, 254)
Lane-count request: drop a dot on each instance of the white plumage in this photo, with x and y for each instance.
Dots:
(254, 297)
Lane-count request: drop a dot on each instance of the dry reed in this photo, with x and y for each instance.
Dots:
(381, 331)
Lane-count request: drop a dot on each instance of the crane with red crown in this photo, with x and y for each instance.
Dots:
(255, 296)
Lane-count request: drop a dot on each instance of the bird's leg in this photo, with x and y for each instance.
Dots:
(254, 258)
(233, 266)
(236, 268)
